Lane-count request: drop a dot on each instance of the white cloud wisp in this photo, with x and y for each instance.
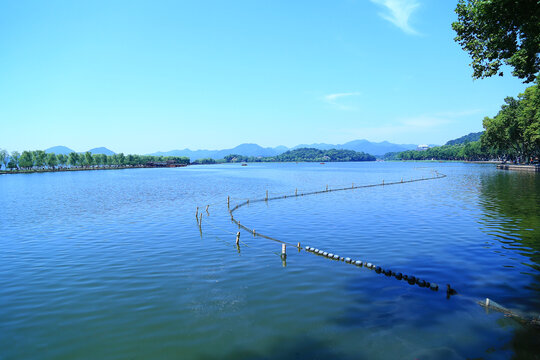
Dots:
(332, 99)
(399, 13)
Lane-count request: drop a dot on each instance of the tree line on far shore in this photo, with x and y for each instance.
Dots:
(40, 160)
(469, 151)
(512, 135)
(299, 155)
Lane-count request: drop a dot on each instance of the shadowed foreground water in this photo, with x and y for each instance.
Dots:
(111, 264)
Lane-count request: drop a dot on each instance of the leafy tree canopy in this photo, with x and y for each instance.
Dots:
(497, 32)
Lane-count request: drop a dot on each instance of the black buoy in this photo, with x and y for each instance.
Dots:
(399, 276)
(378, 269)
(450, 291)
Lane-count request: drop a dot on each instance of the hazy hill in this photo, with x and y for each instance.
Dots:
(243, 149)
(466, 138)
(375, 148)
(364, 146)
(65, 150)
(59, 150)
(102, 150)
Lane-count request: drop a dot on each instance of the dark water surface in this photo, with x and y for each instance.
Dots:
(111, 264)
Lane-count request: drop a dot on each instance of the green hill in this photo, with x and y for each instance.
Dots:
(466, 139)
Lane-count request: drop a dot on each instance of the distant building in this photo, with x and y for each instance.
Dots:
(422, 147)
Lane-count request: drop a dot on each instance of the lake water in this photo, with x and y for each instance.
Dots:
(112, 265)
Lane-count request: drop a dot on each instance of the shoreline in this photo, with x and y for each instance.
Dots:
(528, 168)
(34, 171)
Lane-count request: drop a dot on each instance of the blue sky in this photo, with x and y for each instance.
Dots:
(143, 76)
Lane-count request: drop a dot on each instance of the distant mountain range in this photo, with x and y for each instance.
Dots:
(365, 146)
(243, 149)
(373, 148)
(368, 147)
(65, 150)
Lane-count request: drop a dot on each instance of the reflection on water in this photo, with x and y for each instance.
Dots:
(512, 211)
(112, 264)
(511, 202)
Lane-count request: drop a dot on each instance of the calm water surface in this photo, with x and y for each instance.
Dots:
(112, 265)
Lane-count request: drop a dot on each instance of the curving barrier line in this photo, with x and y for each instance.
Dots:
(412, 280)
(488, 304)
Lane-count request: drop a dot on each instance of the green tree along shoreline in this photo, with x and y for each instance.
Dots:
(40, 161)
(512, 135)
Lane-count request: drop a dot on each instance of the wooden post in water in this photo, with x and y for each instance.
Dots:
(352, 187)
(298, 246)
(266, 198)
(401, 179)
(207, 209)
(326, 187)
(383, 181)
(254, 232)
(283, 251)
(197, 216)
(238, 238)
(296, 192)
(228, 202)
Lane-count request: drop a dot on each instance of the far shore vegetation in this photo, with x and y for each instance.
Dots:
(40, 161)
(512, 135)
(297, 155)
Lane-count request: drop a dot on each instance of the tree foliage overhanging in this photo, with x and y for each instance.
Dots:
(515, 131)
(497, 32)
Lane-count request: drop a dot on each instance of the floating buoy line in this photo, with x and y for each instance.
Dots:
(488, 304)
(411, 279)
